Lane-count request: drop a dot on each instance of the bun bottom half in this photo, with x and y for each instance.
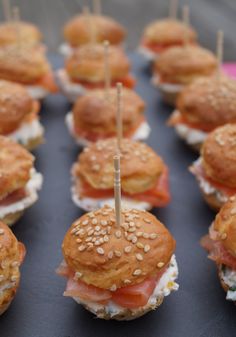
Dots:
(34, 143)
(7, 297)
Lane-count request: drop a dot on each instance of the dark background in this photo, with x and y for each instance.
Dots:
(206, 15)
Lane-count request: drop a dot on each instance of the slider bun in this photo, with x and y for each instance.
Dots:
(108, 264)
(87, 63)
(20, 32)
(15, 166)
(184, 64)
(24, 65)
(140, 165)
(225, 225)
(77, 31)
(15, 105)
(219, 155)
(169, 32)
(209, 101)
(11, 255)
(93, 112)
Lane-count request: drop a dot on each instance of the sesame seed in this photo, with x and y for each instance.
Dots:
(77, 275)
(139, 234)
(223, 236)
(117, 253)
(100, 250)
(140, 245)
(146, 248)
(233, 212)
(106, 238)
(97, 243)
(134, 239)
(113, 287)
(127, 281)
(153, 236)
(139, 257)
(147, 220)
(118, 234)
(94, 221)
(89, 238)
(145, 235)
(127, 249)
(137, 272)
(90, 232)
(81, 248)
(103, 222)
(15, 264)
(132, 224)
(85, 222)
(14, 278)
(79, 240)
(160, 264)
(97, 228)
(110, 255)
(91, 215)
(131, 230)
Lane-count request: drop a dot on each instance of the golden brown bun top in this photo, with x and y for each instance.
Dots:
(219, 155)
(140, 165)
(225, 225)
(210, 101)
(15, 166)
(15, 105)
(93, 110)
(12, 254)
(108, 256)
(185, 60)
(169, 31)
(19, 32)
(25, 64)
(87, 63)
(78, 32)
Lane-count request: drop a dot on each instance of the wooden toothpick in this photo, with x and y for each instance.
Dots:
(219, 51)
(97, 8)
(6, 9)
(107, 69)
(91, 26)
(16, 20)
(173, 9)
(119, 131)
(186, 21)
(117, 189)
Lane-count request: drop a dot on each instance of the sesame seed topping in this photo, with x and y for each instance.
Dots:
(140, 245)
(106, 238)
(134, 239)
(131, 230)
(233, 211)
(97, 228)
(127, 249)
(15, 264)
(78, 240)
(118, 234)
(103, 222)
(113, 287)
(147, 220)
(110, 255)
(146, 248)
(139, 234)
(77, 275)
(117, 253)
(137, 272)
(94, 221)
(127, 281)
(153, 236)
(1, 231)
(160, 264)
(100, 250)
(97, 243)
(90, 232)
(82, 248)
(139, 257)
(85, 222)
(223, 236)
(145, 235)
(14, 278)
(88, 239)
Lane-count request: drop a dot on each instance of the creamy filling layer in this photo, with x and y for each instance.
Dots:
(207, 187)
(141, 133)
(37, 92)
(32, 187)
(147, 53)
(27, 132)
(190, 135)
(65, 49)
(228, 275)
(164, 287)
(70, 89)
(166, 87)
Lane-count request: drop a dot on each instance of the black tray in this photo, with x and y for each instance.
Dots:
(198, 309)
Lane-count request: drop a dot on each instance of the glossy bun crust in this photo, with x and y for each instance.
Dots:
(182, 65)
(77, 32)
(11, 256)
(87, 63)
(110, 257)
(140, 165)
(94, 113)
(20, 32)
(219, 155)
(26, 65)
(168, 32)
(225, 225)
(15, 166)
(15, 105)
(209, 101)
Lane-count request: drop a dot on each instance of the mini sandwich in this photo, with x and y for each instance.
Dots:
(221, 245)
(144, 176)
(84, 70)
(93, 116)
(163, 34)
(215, 170)
(203, 106)
(12, 253)
(19, 181)
(179, 66)
(27, 65)
(119, 272)
(19, 115)
(77, 32)
(20, 32)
